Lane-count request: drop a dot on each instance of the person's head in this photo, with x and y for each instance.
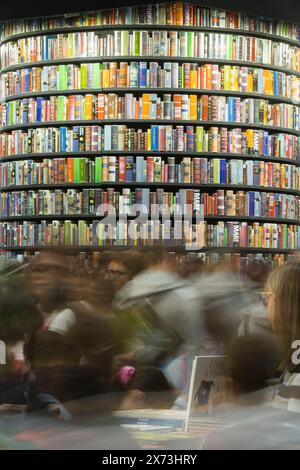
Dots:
(283, 302)
(48, 273)
(253, 361)
(123, 267)
(103, 261)
(145, 387)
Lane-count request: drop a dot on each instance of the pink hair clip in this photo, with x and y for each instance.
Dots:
(126, 373)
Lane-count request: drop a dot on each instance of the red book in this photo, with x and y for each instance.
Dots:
(204, 108)
(122, 168)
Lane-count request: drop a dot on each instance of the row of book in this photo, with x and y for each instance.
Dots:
(150, 170)
(159, 138)
(150, 203)
(169, 13)
(157, 43)
(133, 233)
(150, 106)
(150, 75)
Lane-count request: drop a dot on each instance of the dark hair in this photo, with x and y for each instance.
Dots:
(253, 360)
(133, 261)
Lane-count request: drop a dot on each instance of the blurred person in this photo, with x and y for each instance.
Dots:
(122, 267)
(19, 320)
(173, 309)
(252, 422)
(255, 318)
(103, 263)
(283, 303)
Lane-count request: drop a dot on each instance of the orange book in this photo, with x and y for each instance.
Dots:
(208, 76)
(70, 170)
(113, 75)
(123, 74)
(71, 108)
(193, 107)
(101, 106)
(137, 110)
(112, 100)
(193, 78)
(204, 100)
(250, 82)
(268, 86)
(250, 139)
(177, 106)
(88, 109)
(105, 77)
(179, 13)
(146, 106)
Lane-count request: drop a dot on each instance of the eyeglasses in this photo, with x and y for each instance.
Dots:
(265, 297)
(115, 273)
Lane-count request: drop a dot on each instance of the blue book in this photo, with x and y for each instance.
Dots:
(140, 169)
(265, 143)
(154, 138)
(277, 204)
(26, 81)
(256, 173)
(39, 102)
(25, 111)
(129, 169)
(143, 74)
(257, 204)
(251, 204)
(222, 171)
(63, 140)
(275, 78)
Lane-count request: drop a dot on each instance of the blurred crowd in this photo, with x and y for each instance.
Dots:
(82, 343)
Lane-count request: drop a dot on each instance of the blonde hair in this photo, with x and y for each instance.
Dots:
(284, 284)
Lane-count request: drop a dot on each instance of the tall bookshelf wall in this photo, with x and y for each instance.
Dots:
(170, 103)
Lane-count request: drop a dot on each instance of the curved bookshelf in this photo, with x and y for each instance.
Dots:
(159, 59)
(209, 218)
(176, 154)
(141, 122)
(287, 143)
(140, 91)
(143, 27)
(116, 184)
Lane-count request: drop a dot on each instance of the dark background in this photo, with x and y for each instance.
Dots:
(283, 9)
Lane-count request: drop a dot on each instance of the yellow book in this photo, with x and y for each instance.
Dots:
(250, 82)
(105, 78)
(146, 106)
(268, 82)
(227, 77)
(235, 79)
(88, 109)
(193, 79)
(250, 138)
(193, 107)
(179, 13)
(148, 139)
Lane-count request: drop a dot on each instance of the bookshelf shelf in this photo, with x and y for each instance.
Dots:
(140, 91)
(143, 122)
(209, 218)
(171, 248)
(49, 38)
(146, 27)
(178, 155)
(174, 186)
(159, 59)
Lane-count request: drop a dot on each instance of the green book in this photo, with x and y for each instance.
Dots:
(96, 76)
(190, 44)
(199, 138)
(82, 233)
(63, 77)
(98, 170)
(67, 232)
(60, 108)
(137, 42)
(229, 46)
(225, 236)
(216, 171)
(77, 170)
(82, 170)
(285, 236)
(83, 76)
